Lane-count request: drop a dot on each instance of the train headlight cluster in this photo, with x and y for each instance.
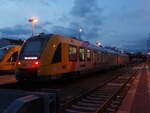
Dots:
(30, 58)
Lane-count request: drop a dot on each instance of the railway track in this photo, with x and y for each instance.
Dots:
(85, 98)
(103, 99)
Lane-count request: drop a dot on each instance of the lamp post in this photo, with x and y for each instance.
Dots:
(80, 31)
(33, 21)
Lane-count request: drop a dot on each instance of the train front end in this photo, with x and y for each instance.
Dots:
(29, 60)
(8, 57)
(3, 66)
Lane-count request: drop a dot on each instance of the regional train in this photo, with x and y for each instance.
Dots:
(8, 58)
(52, 56)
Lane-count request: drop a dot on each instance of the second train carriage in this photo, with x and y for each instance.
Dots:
(51, 56)
(8, 58)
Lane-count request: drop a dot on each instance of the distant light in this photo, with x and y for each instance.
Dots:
(148, 53)
(88, 50)
(30, 58)
(98, 44)
(80, 30)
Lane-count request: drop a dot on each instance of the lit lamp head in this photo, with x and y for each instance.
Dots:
(33, 20)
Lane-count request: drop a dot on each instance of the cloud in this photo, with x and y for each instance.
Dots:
(23, 31)
(87, 15)
(43, 27)
(64, 31)
(44, 2)
(121, 25)
(83, 8)
(84, 14)
(16, 30)
(138, 45)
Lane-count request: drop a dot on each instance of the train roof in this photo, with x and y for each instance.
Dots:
(89, 45)
(103, 49)
(42, 35)
(10, 46)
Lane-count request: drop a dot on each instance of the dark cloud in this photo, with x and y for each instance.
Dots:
(47, 2)
(84, 8)
(22, 31)
(87, 15)
(84, 14)
(135, 45)
(16, 30)
(64, 31)
(110, 26)
(44, 2)
(43, 27)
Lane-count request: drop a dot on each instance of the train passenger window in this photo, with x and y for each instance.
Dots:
(33, 48)
(88, 55)
(82, 54)
(72, 53)
(57, 55)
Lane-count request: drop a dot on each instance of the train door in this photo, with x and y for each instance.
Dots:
(72, 57)
(12, 61)
(82, 58)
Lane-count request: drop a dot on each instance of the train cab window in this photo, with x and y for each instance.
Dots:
(88, 55)
(57, 55)
(14, 57)
(82, 54)
(33, 47)
(72, 53)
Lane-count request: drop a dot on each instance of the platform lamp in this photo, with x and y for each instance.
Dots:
(33, 21)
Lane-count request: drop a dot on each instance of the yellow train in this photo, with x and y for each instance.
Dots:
(51, 56)
(8, 58)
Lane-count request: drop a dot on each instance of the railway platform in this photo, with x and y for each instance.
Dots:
(137, 99)
(7, 79)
